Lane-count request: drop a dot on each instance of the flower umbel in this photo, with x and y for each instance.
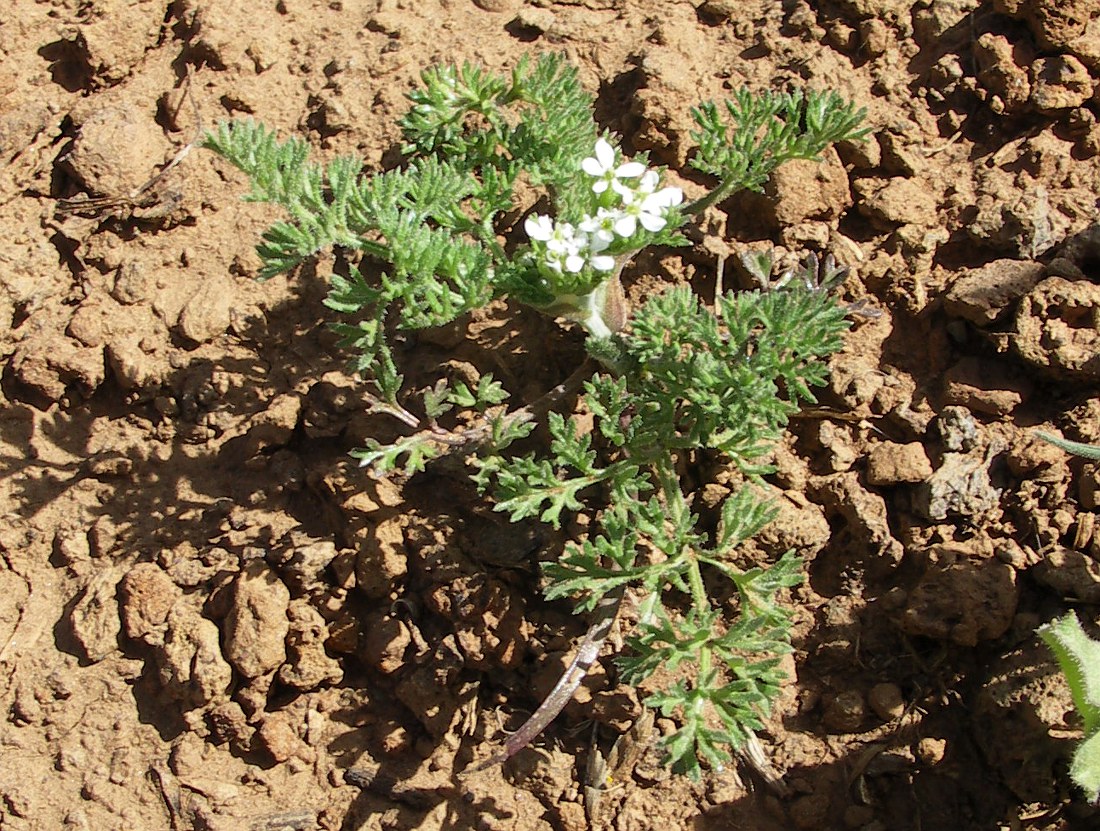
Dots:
(565, 247)
(571, 249)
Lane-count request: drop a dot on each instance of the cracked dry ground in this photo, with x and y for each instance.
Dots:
(210, 619)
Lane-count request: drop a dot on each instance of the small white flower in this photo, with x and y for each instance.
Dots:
(600, 228)
(564, 246)
(649, 210)
(539, 226)
(602, 166)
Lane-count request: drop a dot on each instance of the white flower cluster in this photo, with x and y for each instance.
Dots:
(570, 248)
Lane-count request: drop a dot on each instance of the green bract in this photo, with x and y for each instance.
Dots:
(445, 234)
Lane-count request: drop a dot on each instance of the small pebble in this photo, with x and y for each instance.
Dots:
(930, 751)
(886, 701)
(844, 714)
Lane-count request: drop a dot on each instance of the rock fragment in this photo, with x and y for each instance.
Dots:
(1002, 71)
(1071, 574)
(192, 668)
(386, 639)
(1027, 697)
(95, 616)
(147, 595)
(116, 149)
(382, 562)
(892, 202)
(965, 602)
(308, 666)
(985, 386)
(844, 712)
(256, 626)
(1059, 83)
(206, 314)
(890, 463)
(985, 295)
(1058, 329)
(1060, 25)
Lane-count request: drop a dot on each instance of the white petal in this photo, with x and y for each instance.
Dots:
(599, 186)
(649, 181)
(593, 167)
(623, 190)
(670, 196)
(603, 262)
(630, 170)
(600, 239)
(574, 263)
(658, 203)
(652, 222)
(625, 225)
(538, 227)
(605, 153)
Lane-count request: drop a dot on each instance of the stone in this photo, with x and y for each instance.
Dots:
(192, 667)
(1059, 83)
(206, 314)
(807, 189)
(95, 615)
(382, 562)
(308, 666)
(960, 486)
(965, 602)
(278, 736)
(256, 626)
(886, 701)
(931, 750)
(892, 202)
(303, 566)
(1060, 25)
(228, 723)
(985, 386)
(798, 524)
(1069, 573)
(385, 641)
(864, 513)
(844, 712)
(985, 295)
(1027, 697)
(116, 149)
(147, 595)
(1001, 72)
(890, 463)
(1058, 329)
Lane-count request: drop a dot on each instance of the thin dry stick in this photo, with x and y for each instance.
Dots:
(133, 198)
(606, 611)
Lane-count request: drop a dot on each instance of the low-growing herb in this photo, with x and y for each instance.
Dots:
(1079, 657)
(510, 188)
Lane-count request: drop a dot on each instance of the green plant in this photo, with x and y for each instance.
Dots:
(666, 381)
(1079, 657)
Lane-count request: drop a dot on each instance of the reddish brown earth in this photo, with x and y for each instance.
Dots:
(209, 615)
